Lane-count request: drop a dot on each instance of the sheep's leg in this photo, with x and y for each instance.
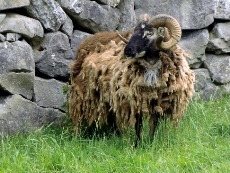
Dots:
(153, 123)
(138, 128)
(113, 124)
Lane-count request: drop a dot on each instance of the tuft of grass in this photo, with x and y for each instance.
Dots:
(201, 143)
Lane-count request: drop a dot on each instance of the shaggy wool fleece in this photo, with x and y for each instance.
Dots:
(109, 81)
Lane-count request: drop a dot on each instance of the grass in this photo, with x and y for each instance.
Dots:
(200, 144)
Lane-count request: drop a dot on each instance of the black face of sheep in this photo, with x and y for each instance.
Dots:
(160, 33)
(142, 40)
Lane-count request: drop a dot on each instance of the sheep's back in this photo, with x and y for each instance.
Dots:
(89, 45)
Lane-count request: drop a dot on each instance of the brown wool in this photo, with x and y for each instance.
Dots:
(106, 80)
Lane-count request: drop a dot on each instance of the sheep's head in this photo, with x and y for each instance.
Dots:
(159, 33)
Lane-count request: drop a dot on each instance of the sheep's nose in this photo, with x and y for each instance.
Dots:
(129, 52)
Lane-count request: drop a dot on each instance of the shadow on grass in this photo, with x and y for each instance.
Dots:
(220, 129)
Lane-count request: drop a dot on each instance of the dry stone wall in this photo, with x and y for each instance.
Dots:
(38, 40)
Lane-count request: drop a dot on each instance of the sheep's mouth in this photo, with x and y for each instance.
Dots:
(137, 55)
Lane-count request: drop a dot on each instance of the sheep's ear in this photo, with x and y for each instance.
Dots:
(161, 31)
(144, 18)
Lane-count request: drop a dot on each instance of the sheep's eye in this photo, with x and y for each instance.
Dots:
(149, 33)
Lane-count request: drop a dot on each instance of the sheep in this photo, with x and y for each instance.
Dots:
(119, 83)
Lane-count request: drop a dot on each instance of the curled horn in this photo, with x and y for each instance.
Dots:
(170, 23)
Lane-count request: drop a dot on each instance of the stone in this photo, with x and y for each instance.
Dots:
(56, 55)
(2, 17)
(211, 91)
(128, 17)
(204, 87)
(222, 9)
(23, 25)
(48, 12)
(226, 88)
(16, 57)
(91, 15)
(18, 83)
(9, 4)
(53, 66)
(219, 67)
(67, 27)
(72, 6)
(2, 38)
(49, 93)
(112, 3)
(13, 36)
(220, 39)
(191, 14)
(19, 115)
(195, 43)
(77, 38)
(202, 79)
(218, 46)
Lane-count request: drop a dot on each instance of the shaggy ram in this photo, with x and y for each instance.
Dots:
(119, 82)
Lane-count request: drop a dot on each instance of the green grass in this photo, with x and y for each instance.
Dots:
(200, 144)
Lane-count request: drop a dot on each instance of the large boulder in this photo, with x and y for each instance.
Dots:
(204, 87)
(222, 9)
(191, 14)
(48, 12)
(76, 39)
(67, 27)
(195, 43)
(128, 17)
(49, 93)
(91, 15)
(26, 26)
(9, 4)
(16, 57)
(220, 39)
(219, 67)
(17, 68)
(54, 55)
(19, 115)
(18, 83)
